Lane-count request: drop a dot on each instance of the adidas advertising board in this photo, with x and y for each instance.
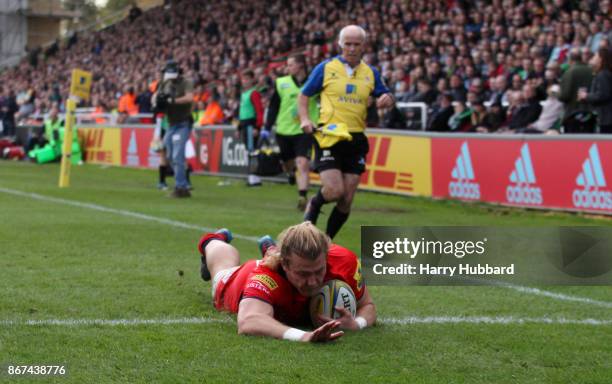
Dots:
(591, 191)
(463, 185)
(523, 188)
(563, 173)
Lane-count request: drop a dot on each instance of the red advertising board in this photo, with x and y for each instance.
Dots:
(566, 174)
(209, 149)
(576, 174)
(136, 148)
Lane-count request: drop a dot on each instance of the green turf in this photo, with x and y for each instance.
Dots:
(64, 262)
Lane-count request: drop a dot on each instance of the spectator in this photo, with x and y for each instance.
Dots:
(457, 89)
(127, 102)
(493, 120)
(498, 90)
(8, 108)
(425, 93)
(552, 111)
(528, 109)
(438, 121)
(600, 95)
(577, 76)
(143, 100)
(213, 113)
(460, 121)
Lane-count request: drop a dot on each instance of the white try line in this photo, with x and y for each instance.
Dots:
(179, 224)
(389, 321)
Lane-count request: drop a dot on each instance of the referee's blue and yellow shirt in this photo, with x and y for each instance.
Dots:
(344, 96)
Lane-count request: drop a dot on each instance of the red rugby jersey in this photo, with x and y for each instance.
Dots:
(253, 280)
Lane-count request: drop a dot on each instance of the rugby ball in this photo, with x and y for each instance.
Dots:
(335, 293)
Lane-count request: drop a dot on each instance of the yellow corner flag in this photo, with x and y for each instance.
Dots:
(80, 84)
(80, 87)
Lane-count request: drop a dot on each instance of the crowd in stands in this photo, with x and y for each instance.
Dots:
(480, 66)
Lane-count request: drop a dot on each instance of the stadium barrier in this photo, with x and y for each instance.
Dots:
(566, 172)
(405, 107)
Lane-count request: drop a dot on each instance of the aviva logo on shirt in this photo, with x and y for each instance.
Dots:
(350, 88)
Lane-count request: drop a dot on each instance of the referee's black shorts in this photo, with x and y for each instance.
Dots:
(346, 156)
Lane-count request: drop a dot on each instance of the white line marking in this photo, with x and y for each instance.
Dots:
(556, 295)
(179, 224)
(490, 320)
(114, 322)
(391, 321)
(121, 212)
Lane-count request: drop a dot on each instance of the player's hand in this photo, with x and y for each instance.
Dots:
(385, 101)
(326, 332)
(346, 319)
(307, 126)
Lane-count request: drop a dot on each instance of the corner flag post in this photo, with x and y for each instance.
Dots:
(64, 180)
(80, 87)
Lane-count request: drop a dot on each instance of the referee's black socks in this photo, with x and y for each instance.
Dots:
(335, 222)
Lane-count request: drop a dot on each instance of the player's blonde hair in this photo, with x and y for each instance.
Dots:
(304, 240)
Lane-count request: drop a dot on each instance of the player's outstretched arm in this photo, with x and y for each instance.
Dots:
(256, 317)
(366, 310)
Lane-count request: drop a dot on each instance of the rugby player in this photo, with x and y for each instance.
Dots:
(271, 295)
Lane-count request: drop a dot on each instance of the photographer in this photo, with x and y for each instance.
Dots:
(174, 97)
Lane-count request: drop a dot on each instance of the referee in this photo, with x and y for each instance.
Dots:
(295, 145)
(345, 83)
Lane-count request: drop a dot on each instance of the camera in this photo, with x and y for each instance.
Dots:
(161, 102)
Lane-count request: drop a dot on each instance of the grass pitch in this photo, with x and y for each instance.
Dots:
(113, 262)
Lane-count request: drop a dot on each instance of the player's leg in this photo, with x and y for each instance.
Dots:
(341, 211)
(303, 151)
(352, 165)
(287, 156)
(162, 170)
(328, 163)
(217, 253)
(179, 139)
(303, 180)
(332, 189)
(168, 147)
(289, 168)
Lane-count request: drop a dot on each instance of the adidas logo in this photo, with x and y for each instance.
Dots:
(590, 180)
(523, 177)
(463, 186)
